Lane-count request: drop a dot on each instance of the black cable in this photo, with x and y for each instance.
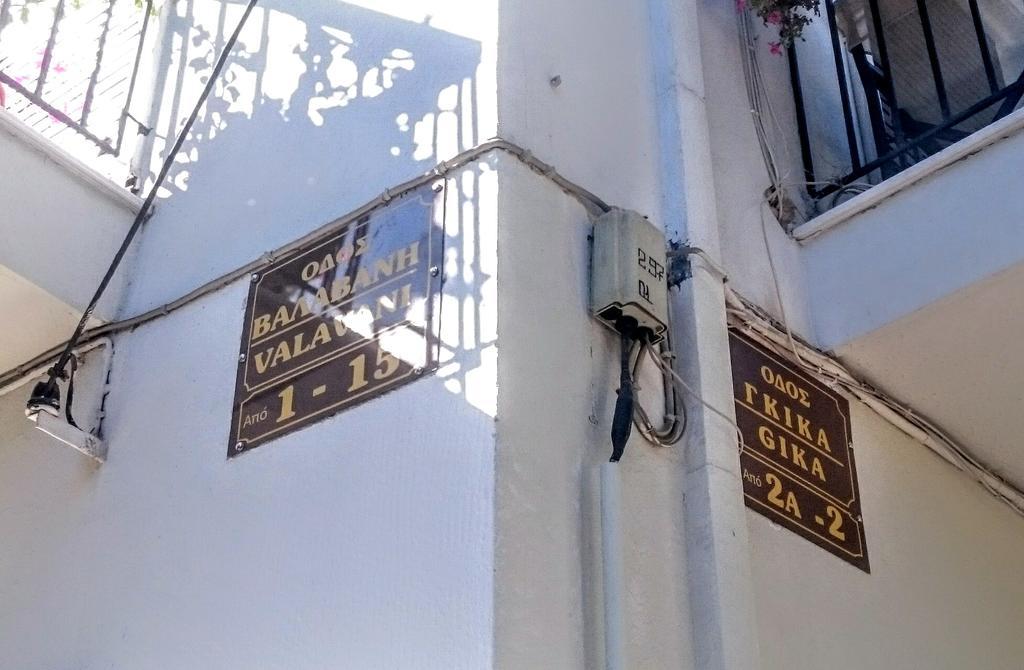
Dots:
(71, 392)
(49, 389)
(622, 419)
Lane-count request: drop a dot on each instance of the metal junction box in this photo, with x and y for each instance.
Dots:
(628, 272)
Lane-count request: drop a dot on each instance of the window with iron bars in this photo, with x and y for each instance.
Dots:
(900, 80)
(69, 69)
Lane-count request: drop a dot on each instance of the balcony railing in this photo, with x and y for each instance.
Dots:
(904, 79)
(73, 65)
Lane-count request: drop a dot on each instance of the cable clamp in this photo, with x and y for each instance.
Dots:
(58, 374)
(545, 169)
(442, 168)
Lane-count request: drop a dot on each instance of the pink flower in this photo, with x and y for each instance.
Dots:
(775, 48)
(774, 18)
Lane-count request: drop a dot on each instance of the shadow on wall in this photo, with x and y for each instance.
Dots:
(316, 114)
(395, 492)
(322, 105)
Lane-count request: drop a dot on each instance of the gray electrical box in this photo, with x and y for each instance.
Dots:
(628, 272)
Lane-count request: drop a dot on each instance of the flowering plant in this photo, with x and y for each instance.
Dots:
(791, 17)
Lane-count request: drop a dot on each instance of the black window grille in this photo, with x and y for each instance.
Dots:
(912, 77)
(73, 65)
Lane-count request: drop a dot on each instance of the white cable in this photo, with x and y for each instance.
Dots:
(836, 376)
(686, 388)
(775, 282)
(753, 80)
(590, 201)
(712, 266)
(761, 108)
(674, 411)
(641, 419)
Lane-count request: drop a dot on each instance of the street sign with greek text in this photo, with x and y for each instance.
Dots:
(338, 322)
(797, 457)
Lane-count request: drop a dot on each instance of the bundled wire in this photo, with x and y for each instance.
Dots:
(757, 95)
(676, 380)
(675, 418)
(761, 327)
(762, 112)
(629, 411)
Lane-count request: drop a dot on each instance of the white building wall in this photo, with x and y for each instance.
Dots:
(454, 523)
(952, 222)
(558, 371)
(740, 177)
(944, 590)
(363, 541)
(626, 121)
(596, 122)
(57, 213)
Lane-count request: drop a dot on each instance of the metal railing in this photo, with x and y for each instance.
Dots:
(73, 64)
(944, 82)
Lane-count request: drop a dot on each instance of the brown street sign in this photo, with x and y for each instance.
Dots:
(797, 458)
(338, 322)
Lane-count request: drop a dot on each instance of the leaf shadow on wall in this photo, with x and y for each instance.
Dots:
(321, 106)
